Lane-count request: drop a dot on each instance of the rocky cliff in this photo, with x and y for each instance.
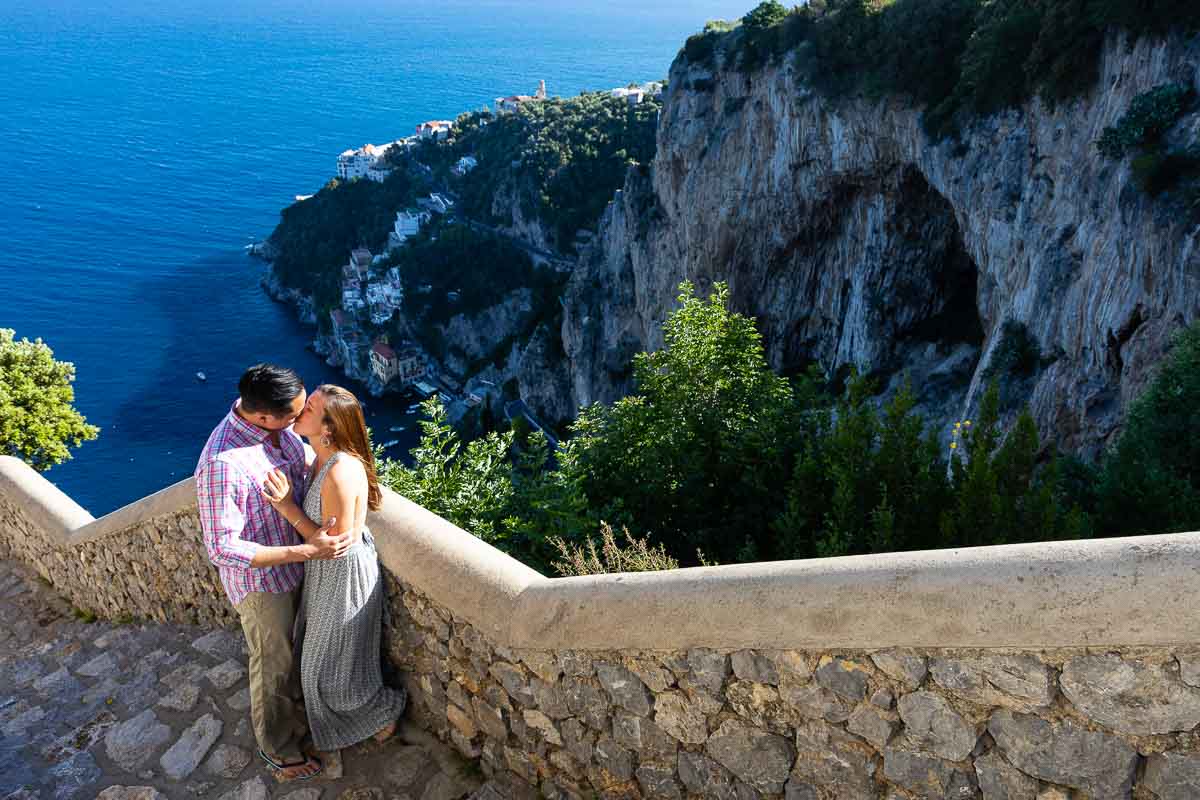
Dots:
(855, 239)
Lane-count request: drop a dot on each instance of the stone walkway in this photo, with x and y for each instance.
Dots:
(99, 709)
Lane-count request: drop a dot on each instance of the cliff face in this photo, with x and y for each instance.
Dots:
(854, 239)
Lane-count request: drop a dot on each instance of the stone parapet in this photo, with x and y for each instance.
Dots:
(996, 672)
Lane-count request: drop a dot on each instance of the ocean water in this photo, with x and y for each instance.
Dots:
(143, 144)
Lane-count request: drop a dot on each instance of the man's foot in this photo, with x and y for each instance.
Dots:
(310, 767)
(386, 733)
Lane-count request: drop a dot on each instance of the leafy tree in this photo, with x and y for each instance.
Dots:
(697, 455)
(549, 508)
(469, 485)
(764, 15)
(865, 479)
(1150, 480)
(1000, 496)
(38, 423)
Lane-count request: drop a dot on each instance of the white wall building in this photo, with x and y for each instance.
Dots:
(357, 163)
(464, 165)
(408, 223)
(437, 129)
(378, 172)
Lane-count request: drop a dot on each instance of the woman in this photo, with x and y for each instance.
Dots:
(340, 618)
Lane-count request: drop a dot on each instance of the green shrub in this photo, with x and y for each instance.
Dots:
(764, 15)
(561, 159)
(695, 456)
(992, 73)
(1150, 480)
(957, 58)
(1016, 354)
(1150, 115)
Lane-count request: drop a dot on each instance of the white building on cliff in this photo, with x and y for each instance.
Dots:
(514, 101)
(408, 223)
(359, 163)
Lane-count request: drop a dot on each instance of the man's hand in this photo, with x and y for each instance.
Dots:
(328, 547)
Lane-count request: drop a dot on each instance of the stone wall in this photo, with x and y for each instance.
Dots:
(154, 569)
(1094, 723)
(841, 679)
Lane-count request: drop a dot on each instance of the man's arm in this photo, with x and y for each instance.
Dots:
(219, 496)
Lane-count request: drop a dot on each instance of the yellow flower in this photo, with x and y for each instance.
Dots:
(953, 445)
(967, 423)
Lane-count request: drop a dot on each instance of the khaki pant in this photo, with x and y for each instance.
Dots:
(279, 723)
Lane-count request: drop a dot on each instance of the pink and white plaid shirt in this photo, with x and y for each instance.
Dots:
(235, 517)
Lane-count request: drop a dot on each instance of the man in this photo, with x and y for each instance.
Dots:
(259, 555)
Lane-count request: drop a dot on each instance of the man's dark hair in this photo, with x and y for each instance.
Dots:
(268, 389)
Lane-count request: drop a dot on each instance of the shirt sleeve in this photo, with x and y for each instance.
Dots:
(220, 496)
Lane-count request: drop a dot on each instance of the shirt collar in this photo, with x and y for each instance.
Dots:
(253, 432)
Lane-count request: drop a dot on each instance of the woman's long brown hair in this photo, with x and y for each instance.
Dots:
(348, 430)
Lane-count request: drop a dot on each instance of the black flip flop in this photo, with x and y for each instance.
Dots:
(280, 767)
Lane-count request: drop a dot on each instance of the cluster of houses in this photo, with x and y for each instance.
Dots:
(366, 162)
(375, 295)
(369, 162)
(637, 93)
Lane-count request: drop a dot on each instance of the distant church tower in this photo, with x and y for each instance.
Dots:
(541, 90)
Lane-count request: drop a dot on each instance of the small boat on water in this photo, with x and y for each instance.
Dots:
(200, 376)
(390, 443)
(396, 428)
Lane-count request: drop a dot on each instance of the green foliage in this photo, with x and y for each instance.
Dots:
(863, 481)
(561, 160)
(1141, 130)
(38, 422)
(1150, 481)
(513, 501)
(315, 236)
(764, 15)
(451, 257)
(957, 58)
(999, 494)
(1016, 354)
(469, 485)
(698, 452)
(638, 555)
(713, 453)
(1150, 115)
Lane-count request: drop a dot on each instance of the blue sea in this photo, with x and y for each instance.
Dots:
(144, 144)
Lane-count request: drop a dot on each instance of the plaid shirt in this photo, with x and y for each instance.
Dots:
(235, 517)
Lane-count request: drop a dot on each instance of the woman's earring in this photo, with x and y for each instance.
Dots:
(325, 441)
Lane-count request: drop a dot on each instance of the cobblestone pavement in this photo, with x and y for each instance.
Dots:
(150, 711)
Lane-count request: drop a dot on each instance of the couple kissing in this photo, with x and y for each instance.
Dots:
(284, 523)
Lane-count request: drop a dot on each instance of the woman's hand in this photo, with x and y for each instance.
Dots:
(278, 490)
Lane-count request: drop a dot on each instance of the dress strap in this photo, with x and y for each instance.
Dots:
(325, 467)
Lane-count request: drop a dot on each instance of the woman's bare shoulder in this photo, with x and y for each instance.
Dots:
(347, 469)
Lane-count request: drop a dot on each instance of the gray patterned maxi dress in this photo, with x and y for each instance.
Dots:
(338, 632)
